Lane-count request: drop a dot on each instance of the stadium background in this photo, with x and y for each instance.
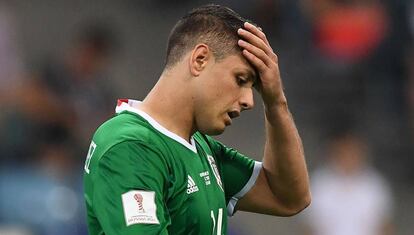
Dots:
(359, 78)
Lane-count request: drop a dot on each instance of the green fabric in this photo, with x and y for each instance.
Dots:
(129, 154)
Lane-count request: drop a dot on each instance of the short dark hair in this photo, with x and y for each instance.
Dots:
(211, 24)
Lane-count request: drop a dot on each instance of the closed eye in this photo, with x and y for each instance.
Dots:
(241, 81)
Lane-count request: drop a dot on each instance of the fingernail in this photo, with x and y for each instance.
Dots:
(239, 30)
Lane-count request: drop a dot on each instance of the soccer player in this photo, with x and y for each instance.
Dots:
(154, 169)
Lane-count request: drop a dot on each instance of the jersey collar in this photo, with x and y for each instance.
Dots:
(133, 106)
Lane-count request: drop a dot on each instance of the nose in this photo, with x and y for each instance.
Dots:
(246, 99)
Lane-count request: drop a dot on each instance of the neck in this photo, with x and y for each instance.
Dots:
(170, 103)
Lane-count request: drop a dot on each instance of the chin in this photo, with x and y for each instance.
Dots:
(217, 132)
(213, 131)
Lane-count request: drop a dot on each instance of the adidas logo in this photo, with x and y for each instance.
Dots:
(191, 186)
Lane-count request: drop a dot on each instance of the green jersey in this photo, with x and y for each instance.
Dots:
(141, 178)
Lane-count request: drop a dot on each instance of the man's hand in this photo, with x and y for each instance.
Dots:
(282, 187)
(259, 53)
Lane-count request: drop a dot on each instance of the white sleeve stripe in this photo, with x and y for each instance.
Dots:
(233, 201)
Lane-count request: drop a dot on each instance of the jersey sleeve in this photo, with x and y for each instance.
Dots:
(129, 190)
(238, 172)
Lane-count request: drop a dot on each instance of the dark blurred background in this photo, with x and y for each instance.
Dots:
(348, 71)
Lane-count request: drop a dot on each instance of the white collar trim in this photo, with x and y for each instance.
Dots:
(132, 106)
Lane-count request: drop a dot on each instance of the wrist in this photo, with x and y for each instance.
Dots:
(275, 103)
(276, 110)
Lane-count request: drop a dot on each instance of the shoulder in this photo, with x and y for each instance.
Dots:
(131, 156)
(126, 135)
(126, 127)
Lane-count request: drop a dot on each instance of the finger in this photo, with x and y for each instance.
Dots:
(255, 40)
(257, 31)
(254, 60)
(259, 53)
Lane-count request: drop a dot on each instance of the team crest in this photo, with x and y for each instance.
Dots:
(216, 173)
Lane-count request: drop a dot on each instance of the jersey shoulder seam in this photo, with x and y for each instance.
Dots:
(147, 145)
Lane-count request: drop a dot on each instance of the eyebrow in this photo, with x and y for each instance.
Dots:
(251, 76)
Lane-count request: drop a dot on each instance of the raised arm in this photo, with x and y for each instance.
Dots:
(282, 187)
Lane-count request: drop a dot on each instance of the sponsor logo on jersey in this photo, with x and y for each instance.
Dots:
(191, 186)
(139, 207)
(215, 170)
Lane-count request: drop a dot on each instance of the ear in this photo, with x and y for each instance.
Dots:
(199, 58)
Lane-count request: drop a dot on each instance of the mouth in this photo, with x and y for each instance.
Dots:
(233, 114)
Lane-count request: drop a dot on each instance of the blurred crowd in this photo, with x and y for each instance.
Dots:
(348, 70)
(48, 116)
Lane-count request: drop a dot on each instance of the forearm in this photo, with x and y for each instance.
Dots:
(284, 162)
(284, 179)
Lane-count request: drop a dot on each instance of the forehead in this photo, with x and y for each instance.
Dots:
(238, 64)
(235, 60)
